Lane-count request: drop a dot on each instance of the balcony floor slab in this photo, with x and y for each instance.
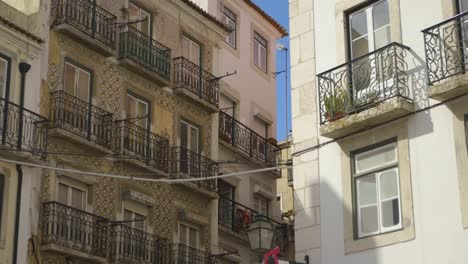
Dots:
(449, 88)
(73, 253)
(378, 114)
(86, 39)
(137, 68)
(186, 92)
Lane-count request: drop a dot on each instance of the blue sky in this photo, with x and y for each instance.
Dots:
(279, 9)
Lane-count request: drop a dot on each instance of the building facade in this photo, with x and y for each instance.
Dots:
(23, 131)
(379, 130)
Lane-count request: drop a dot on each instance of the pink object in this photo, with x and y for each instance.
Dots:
(274, 252)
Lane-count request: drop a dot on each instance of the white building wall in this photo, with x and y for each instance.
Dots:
(439, 233)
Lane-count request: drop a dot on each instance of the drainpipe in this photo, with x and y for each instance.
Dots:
(23, 68)
(17, 216)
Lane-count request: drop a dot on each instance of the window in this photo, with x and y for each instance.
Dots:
(261, 204)
(4, 74)
(77, 81)
(189, 136)
(226, 193)
(466, 131)
(462, 5)
(369, 30)
(279, 199)
(260, 52)
(229, 18)
(72, 195)
(137, 111)
(134, 220)
(191, 50)
(138, 14)
(377, 191)
(189, 235)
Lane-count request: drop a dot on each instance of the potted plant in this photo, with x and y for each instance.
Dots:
(335, 105)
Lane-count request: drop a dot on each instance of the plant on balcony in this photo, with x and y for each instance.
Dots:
(335, 104)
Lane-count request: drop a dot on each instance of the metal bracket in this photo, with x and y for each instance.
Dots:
(225, 254)
(224, 76)
(130, 22)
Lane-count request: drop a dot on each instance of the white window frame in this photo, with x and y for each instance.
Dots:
(76, 83)
(191, 51)
(230, 18)
(142, 11)
(133, 213)
(279, 198)
(73, 184)
(260, 198)
(257, 38)
(377, 172)
(189, 138)
(192, 226)
(6, 74)
(138, 100)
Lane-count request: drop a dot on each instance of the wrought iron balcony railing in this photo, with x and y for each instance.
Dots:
(81, 118)
(363, 82)
(247, 141)
(89, 18)
(75, 229)
(186, 163)
(446, 47)
(145, 51)
(140, 144)
(189, 76)
(131, 245)
(234, 215)
(23, 129)
(188, 255)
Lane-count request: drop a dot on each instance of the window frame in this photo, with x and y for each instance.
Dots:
(7, 59)
(142, 99)
(2, 198)
(132, 222)
(262, 198)
(192, 40)
(265, 46)
(189, 126)
(466, 130)
(376, 171)
(150, 34)
(190, 226)
(70, 185)
(78, 67)
(232, 19)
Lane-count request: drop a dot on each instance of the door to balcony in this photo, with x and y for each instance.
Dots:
(189, 151)
(371, 76)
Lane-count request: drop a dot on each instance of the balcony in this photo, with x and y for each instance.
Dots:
(366, 91)
(22, 129)
(85, 20)
(446, 46)
(74, 232)
(188, 255)
(138, 50)
(189, 164)
(246, 141)
(139, 144)
(191, 80)
(131, 245)
(81, 118)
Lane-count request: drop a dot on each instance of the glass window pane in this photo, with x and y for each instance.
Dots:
(139, 224)
(256, 51)
(183, 234)
(3, 76)
(380, 15)
(194, 139)
(195, 56)
(142, 109)
(367, 191)
(69, 79)
(131, 107)
(358, 25)
(145, 25)
(128, 215)
(382, 37)
(63, 193)
(263, 58)
(185, 47)
(77, 199)
(463, 6)
(193, 238)
(184, 135)
(388, 184)
(390, 213)
(375, 158)
(360, 47)
(83, 85)
(369, 219)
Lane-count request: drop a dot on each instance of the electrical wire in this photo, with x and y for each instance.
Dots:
(117, 176)
(301, 152)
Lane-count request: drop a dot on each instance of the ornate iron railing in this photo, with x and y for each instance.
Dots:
(23, 129)
(131, 245)
(247, 141)
(76, 229)
(186, 163)
(140, 144)
(363, 82)
(446, 46)
(234, 215)
(81, 118)
(188, 255)
(189, 76)
(89, 18)
(145, 51)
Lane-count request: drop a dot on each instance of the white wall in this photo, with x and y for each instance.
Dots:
(440, 237)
